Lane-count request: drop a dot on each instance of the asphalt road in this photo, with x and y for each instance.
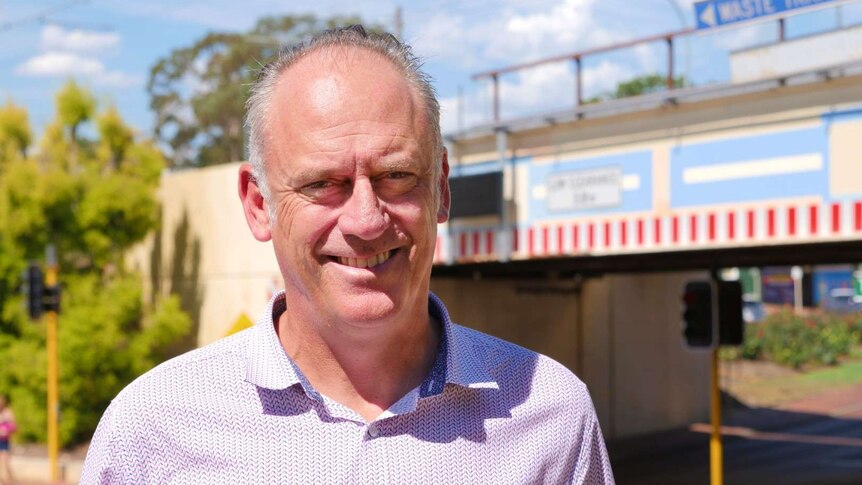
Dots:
(820, 444)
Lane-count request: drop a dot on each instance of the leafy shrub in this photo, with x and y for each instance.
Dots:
(93, 200)
(796, 340)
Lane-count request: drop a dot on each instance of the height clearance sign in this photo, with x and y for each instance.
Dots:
(719, 13)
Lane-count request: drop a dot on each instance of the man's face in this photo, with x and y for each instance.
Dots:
(352, 184)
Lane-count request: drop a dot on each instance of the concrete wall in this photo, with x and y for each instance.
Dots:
(621, 334)
(205, 252)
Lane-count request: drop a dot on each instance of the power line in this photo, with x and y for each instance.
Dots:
(41, 16)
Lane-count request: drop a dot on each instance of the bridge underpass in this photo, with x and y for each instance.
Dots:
(603, 212)
(565, 268)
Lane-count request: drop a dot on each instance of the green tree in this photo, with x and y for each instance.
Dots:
(15, 134)
(198, 92)
(92, 209)
(637, 86)
(114, 136)
(645, 84)
(75, 105)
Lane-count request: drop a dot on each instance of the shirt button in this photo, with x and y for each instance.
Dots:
(373, 431)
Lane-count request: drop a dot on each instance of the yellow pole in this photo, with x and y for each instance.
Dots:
(51, 280)
(716, 463)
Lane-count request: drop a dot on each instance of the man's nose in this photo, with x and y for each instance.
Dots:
(362, 214)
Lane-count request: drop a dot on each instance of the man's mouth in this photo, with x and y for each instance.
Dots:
(365, 262)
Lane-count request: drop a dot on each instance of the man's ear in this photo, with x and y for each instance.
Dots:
(445, 196)
(253, 204)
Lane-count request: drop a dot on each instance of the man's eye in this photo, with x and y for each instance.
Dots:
(397, 175)
(322, 189)
(395, 183)
(318, 185)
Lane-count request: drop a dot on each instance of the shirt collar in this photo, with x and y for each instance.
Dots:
(267, 365)
(457, 361)
(464, 365)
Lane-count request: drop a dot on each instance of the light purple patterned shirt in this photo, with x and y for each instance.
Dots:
(240, 411)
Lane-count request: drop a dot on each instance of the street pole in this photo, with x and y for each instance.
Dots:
(796, 275)
(398, 22)
(51, 281)
(716, 464)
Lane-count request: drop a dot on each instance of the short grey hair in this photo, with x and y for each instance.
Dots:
(388, 46)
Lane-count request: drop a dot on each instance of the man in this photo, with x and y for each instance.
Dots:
(355, 374)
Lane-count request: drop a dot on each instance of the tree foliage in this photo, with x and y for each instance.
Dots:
(75, 105)
(644, 85)
(92, 199)
(15, 134)
(637, 86)
(198, 92)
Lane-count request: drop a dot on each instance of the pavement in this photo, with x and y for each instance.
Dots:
(814, 441)
(35, 470)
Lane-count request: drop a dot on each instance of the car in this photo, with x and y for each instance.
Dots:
(842, 300)
(752, 310)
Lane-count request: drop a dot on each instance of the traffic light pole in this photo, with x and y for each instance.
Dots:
(51, 281)
(716, 461)
(713, 317)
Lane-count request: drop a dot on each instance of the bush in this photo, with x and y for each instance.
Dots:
(797, 340)
(107, 337)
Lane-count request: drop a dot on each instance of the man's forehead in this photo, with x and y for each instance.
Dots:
(347, 64)
(341, 84)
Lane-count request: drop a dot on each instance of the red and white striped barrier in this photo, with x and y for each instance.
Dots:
(685, 229)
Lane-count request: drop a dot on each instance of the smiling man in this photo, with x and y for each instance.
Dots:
(356, 373)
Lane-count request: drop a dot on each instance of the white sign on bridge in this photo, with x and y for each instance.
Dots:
(585, 189)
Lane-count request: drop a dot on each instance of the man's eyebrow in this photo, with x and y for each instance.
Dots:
(312, 173)
(397, 164)
(380, 165)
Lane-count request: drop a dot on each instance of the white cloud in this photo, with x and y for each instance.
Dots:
(540, 90)
(605, 77)
(54, 64)
(65, 64)
(568, 25)
(651, 57)
(506, 36)
(56, 38)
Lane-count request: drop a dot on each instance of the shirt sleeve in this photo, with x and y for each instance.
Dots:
(593, 466)
(107, 461)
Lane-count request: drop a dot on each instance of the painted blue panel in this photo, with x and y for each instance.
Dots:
(473, 168)
(838, 116)
(634, 163)
(746, 148)
(458, 170)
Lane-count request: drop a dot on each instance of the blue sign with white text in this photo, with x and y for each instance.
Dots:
(717, 13)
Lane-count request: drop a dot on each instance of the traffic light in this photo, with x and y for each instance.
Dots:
(731, 326)
(34, 290)
(709, 311)
(698, 315)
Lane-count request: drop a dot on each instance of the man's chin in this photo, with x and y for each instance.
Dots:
(366, 309)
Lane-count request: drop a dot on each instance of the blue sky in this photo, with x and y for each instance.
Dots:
(110, 45)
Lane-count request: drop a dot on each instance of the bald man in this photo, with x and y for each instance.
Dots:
(355, 374)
